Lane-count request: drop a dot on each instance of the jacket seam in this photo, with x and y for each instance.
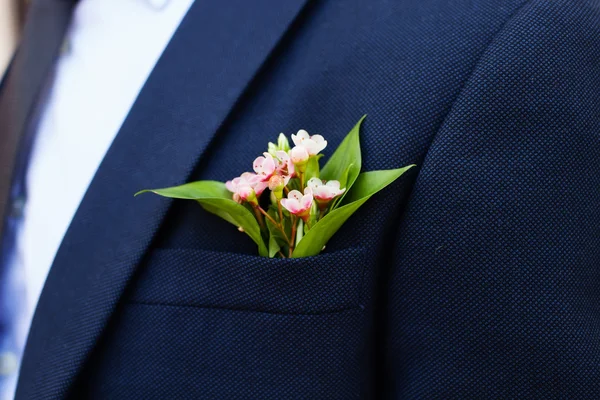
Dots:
(244, 310)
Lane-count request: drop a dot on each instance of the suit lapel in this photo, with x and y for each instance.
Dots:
(212, 57)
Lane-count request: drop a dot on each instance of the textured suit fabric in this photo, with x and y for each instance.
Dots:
(475, 276)
(163, 137)
(509, 258)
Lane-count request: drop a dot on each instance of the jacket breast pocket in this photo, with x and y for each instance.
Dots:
(197, 278)
(209, 325)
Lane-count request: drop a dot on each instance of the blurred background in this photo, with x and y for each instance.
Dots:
(11, 12)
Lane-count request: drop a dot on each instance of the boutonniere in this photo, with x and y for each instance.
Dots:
(289, 205)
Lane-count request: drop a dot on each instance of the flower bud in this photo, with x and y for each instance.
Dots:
(299, 157)
(246, 193)
(276, 184)
(283, 143)
(272, 148)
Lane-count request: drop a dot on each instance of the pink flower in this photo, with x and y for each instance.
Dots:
(245, 187)
(313, 144)
(265, 166)
(286, 166)
(299, 204)
(244, 180)
(260, 187)
(325, 192)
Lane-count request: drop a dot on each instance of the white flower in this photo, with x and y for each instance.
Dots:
(299, 155)
(299, 204)
(324, 192)
(313, 144)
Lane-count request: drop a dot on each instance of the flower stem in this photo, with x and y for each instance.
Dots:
(268, 217)
(277, 225)
(259, 217)
(294, 220)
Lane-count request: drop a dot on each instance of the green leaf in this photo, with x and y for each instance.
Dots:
(217, 211)
(366, 185)
(312, 218)
(274, 247)
(312, 168)
(343, 179)
(277, 240)
(371, 182)
(214, 197)
(345, 159)
(294, 184)
(193, 191)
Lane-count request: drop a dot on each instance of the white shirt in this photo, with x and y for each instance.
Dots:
(112, 46)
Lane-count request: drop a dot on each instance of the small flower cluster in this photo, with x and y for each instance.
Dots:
(288, 206)
(298, 198)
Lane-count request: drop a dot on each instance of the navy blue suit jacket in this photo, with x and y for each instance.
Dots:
(477, 275)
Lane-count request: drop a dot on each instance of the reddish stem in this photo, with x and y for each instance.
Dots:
(259, 217)
(268, 216)
(294, 222)
(277, 225)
